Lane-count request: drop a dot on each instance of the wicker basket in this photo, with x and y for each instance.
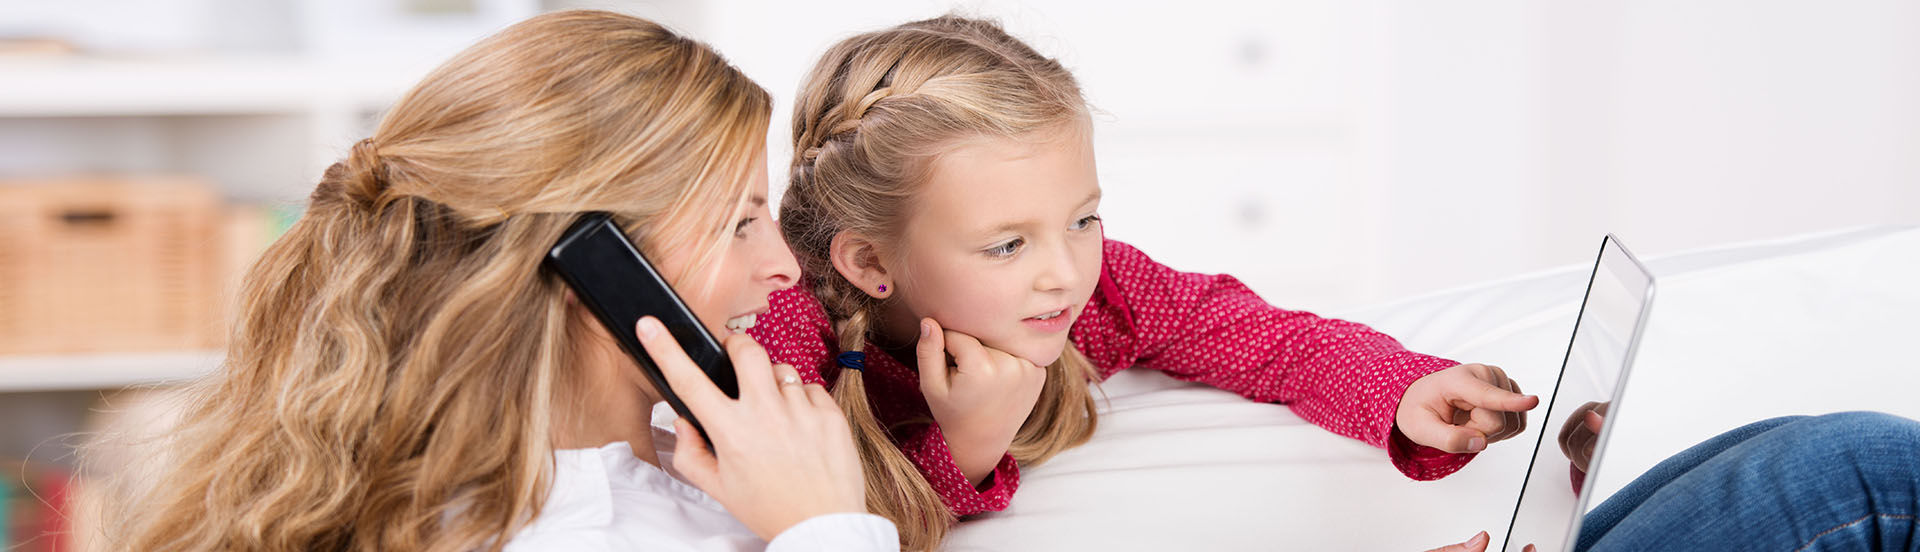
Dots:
(110, 264)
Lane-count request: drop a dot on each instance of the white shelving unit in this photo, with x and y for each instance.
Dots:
(229, 84)
(258, 98)
(102, 371)
(260, 127)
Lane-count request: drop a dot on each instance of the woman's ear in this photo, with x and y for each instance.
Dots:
(578, 316)
(858, 259)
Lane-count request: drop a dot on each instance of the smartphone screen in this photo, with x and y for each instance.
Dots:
(617, 283)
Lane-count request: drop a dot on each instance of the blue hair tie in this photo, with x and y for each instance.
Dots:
(853, 359)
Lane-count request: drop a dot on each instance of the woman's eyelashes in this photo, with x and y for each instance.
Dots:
(740, 230)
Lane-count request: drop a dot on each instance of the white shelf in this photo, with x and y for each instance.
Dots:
(103, 371)
(216, 85)
(263, 127)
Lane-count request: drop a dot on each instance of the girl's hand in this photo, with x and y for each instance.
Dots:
(787, 453)
(980, 400)
(1463, 408)
(1476, 544)
(1581, 432)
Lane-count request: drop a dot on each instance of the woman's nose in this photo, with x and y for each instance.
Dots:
(778, 268)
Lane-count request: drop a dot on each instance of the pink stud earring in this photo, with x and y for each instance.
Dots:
(883, 288)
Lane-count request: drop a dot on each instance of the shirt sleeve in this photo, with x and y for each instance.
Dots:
(1340, 375)
(588, 540)
(838, 532)
(894, 391)
(796, 331)
(926, 446)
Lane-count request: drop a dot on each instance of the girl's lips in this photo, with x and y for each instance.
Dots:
(1051, 325)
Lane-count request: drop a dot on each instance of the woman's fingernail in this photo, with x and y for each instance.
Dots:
(1477, 537)
(1477, 444)
(649, 327)
(926, 329)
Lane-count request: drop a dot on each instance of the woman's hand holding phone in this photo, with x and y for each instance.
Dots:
(785, 452)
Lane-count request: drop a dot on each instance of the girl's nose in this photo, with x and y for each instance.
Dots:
(1060, 272)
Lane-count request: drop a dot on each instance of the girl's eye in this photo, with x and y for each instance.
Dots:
(1086, 221)
(741, 228)
(1006, 249)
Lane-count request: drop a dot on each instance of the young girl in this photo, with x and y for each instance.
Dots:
(944, 207)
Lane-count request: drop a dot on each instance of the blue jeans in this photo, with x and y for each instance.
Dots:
(1848, 481)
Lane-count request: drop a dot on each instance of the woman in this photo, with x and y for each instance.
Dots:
(404, 375)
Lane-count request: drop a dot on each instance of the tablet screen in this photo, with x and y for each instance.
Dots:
(1611, 315)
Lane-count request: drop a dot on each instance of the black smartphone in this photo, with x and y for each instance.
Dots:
(616, 282)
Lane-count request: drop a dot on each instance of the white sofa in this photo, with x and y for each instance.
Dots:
(1804, 325)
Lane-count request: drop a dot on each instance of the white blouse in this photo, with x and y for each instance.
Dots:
(608, 499)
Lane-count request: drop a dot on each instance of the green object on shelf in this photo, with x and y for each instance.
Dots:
(6, 513)
(283, 216)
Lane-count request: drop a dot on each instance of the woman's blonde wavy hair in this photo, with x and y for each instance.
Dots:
(392, 378)
(874, 113)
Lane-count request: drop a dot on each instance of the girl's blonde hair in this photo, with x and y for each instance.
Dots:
(391, 383)
(871, 117)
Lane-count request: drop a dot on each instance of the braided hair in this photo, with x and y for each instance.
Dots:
(873, 114)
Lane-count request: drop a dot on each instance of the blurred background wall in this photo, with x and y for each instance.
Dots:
(1332, 153)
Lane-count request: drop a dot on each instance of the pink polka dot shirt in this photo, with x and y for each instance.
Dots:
(1340, 375)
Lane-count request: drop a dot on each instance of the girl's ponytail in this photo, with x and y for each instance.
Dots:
(870, 118)
(895, 488)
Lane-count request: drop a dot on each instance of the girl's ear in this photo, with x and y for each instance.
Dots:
(858, 259)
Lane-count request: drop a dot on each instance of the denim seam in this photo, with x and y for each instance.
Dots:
(1836, 528)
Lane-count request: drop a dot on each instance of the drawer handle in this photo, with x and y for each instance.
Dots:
(87, 217)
